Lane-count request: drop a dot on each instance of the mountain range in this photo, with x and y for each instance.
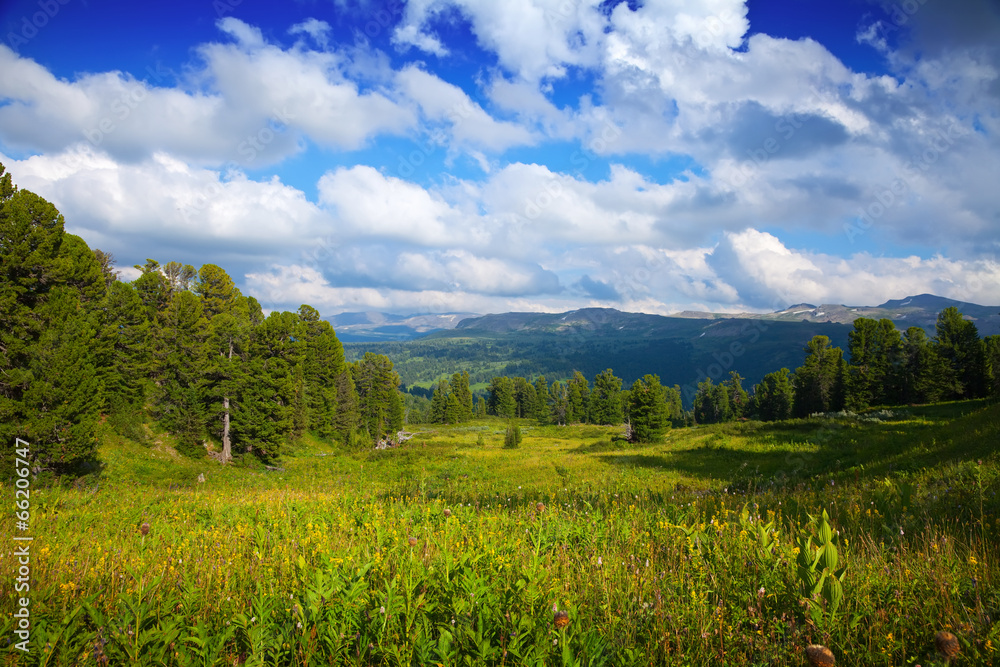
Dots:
(682, 349)
(920, 310)
(374, 326)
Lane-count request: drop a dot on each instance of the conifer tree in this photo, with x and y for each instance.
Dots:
(543, 406)
(502, 401)
(439, 403)
(125, 327)
(323, 362)
(819, 382)
(739, 402)
(991, 347)
(524, 396)
(774, 398)
(578, 392)
(229, 334)
(560, 403)
(876, 354)
(379, 401)
(50, 343)
(959, 344)
(711, 403)
(606, 399)
(178, 362)
(263, 408)
(647, 409)
(463, 394)
(926, 376)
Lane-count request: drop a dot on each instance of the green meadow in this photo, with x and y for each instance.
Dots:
(709, 547)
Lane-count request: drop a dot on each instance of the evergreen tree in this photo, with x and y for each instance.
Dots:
(774, 398)
(991, 346)
(578, 392)
(739, 402)
(647, 409)
(524, 396)
(51, 346)
(512, 436)
(711, 403)
(61, 403)
(543, 405)
(816, 382)
(106, 262)
(179, 358)
(125, 327)
(229, 335)
(463, 394)
(876, 356)
(674, 404)
(926, 376)
(348, 416)
(217, 291)
(323, 362)
(379, 401)
(502, 401)
(959, 344)
(560, 403)
(454, 410)
(153, 289)
(606, 399)
(819, 382)
(179, 276)
(262, 412)
(439, 403)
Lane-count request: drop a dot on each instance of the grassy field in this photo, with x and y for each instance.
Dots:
(452, 550)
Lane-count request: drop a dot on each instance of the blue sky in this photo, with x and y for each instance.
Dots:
(475, 156)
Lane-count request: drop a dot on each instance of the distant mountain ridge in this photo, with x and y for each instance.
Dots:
(374, 326)
(920, 310)
(682, 349)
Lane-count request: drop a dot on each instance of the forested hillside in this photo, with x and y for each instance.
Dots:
(681, 351)
(179, 346)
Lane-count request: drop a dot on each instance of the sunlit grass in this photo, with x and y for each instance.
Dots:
(655, 552)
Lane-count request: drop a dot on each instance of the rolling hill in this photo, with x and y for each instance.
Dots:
(682, 349)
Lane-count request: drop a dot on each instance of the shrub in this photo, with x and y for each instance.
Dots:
(512, 438)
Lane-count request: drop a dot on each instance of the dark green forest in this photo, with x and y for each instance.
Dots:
(179, 347)
(182, 349)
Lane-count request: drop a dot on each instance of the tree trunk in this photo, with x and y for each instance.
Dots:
(227, 449)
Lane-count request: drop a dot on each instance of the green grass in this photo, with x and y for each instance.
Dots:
(681, 552)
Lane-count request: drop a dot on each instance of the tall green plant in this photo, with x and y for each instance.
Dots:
(821, 582)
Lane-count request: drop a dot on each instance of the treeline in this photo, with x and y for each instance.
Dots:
(183, 346)
(884, 367)
(648, 406)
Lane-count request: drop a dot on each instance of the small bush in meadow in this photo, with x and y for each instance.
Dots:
(512, 438)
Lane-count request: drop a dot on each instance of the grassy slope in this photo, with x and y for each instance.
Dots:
(917, 517)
